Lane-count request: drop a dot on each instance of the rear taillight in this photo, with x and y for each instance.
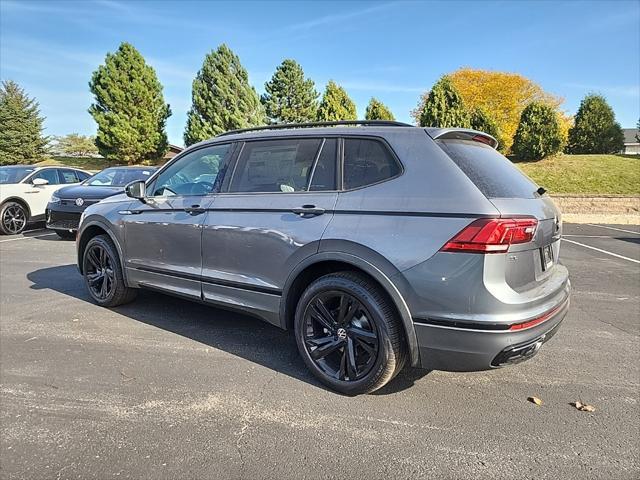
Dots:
(492, 235)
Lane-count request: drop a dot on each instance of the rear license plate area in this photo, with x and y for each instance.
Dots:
(546, 256)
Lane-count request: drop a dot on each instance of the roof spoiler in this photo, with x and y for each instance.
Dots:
(462, 134)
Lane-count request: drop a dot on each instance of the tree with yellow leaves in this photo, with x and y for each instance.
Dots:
(504, 95)
(501, 95)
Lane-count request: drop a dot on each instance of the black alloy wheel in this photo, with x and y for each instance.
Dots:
(349, 334)
(102, 273)
(99, 272)
(340, 335)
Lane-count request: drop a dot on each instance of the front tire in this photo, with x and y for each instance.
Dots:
(13, 218)
(348, 333)
(103, 273)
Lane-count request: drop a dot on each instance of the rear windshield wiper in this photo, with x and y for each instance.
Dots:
(541, 191)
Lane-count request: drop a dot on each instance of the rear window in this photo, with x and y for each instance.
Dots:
(493, 174)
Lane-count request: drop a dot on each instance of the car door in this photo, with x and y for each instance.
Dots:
(163, 233)
(37, 196)
(278, 202)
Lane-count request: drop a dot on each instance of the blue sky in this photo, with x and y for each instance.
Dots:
(390, 50)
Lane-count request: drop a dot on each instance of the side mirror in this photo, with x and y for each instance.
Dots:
(136, 189)
(39, 182)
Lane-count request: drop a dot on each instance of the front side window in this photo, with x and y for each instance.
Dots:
(200, 172)
(49, 174)
(275, 166)
(367, 161)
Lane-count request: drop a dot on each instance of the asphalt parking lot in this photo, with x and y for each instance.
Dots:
(163, 388)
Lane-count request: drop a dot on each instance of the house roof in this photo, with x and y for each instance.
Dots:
(630, 135)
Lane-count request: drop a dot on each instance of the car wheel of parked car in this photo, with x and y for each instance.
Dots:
(13, 218)
(66, 235)
(348, 333)
(103, 273)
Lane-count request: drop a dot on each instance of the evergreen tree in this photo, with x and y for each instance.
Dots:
(289, 97)
(336, 105)
(481, 121)
(595, 129)
(75, 145)
(129, 108)
(376, 110)
(538, 134)
(21, 139)
(444, 107)
(222, 98)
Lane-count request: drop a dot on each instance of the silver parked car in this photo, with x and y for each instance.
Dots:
(380, 244)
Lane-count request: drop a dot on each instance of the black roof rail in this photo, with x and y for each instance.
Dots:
(281, 126)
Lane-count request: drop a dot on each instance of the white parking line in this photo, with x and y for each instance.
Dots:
(588, 236)
(602, 251)
(613, 228)
(27, 238)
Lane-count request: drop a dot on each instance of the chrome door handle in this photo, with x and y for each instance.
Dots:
(308, 211)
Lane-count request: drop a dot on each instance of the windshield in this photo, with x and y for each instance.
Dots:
(14, 174)
(119, 177)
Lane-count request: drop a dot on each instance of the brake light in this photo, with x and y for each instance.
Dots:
(492, 235)
(482, 139)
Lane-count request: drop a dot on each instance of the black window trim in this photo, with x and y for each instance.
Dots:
(385, 144)
(322, 138)
(230, 155)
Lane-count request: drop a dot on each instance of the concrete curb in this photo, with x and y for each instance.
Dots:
(614, 209)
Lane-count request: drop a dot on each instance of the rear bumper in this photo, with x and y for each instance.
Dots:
(460, 347)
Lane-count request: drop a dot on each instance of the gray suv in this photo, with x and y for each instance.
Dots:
(379, 244)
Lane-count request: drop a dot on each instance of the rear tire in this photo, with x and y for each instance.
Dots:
(13, 218)
(103, 273)
(64, 235)
(349, 334)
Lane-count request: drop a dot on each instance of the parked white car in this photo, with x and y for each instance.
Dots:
(25, 191)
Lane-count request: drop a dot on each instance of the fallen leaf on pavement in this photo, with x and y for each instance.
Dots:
(583, 407)
(535, 400)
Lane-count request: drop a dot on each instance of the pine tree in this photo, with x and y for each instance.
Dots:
(336, 105)
(129, 108)
(595, 129)
(222, 98)
(289, 97)
(538, 134)
(21, 139)
(444, 107)
(376, 110)
(482, 121)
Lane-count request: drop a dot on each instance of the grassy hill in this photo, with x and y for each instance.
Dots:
(587, 174)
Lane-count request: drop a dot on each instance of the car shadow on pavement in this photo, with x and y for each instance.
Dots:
(241, 335)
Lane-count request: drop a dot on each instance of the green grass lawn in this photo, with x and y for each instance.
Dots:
(587, 174)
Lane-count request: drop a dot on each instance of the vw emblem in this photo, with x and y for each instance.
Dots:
(342, 333)
(79, 202)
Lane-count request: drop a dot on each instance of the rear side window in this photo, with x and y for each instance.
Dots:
(324, 173)
(69, 176)
(493, 174)
(275, 166)
(367, 161)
